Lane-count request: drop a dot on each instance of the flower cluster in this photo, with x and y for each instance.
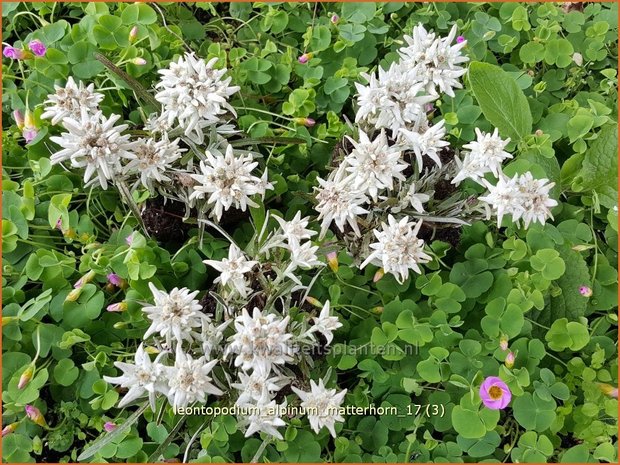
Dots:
(241, 344)
(194, 96)
(401, 162)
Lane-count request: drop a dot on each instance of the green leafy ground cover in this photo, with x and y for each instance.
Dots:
(544, 75)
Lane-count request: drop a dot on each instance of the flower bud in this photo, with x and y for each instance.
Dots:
(14, 53)
(26, 376)
(88, 277)
(8, 319)
(115, 279)
(313, 301)
(129, 240)
(37, 47)
(510, 360)
(585, 291)
(538, 133)
(151, 350)
(608, 390)
(138, 61)
(303, 59)
(73, 295)
(332, 261)
(120, 325)
(335, 18)
(460, 39)
(578, 58)
(19, 119)
(8, 429)
(109, 426)
(377, 310)
(117, 307)
(378, 275)
(29, 134)
(34, 414)
(133, 34)
(503, 342)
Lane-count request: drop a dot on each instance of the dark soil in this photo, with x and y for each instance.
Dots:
(164, 222)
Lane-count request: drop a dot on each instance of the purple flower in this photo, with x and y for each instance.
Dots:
(30, 134)
(304, 58)
(585, 291)
(14, 53)
(115, 279)
(495, 393)
(129, 239)
(335, 19)
(117, 307)
(37, 47)
(19, 119)
(460, 39)
(109, 426)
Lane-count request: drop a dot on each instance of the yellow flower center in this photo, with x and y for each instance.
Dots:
(495, 393)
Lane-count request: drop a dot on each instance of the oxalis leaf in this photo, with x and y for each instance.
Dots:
(502, 102)
(108, 438)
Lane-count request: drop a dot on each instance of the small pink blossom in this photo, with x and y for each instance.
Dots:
(495, 393)
(19, 119)
(133, 34)
(138, 61)
(8, 429)
(129, 239)
(585, 291)
(334, 19)
(115, 279)
(37, 47)
(14, 53)
(34, 414)
(332, 261)
(460, 39)
(503, 343)
(117, 307)
(378, 275)
(109, 426)
(30, 134)
(510, 360)
(303, 59)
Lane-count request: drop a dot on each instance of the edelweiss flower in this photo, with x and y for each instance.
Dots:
(326, 324)
(263, 417)
(339, 202)
(322, 406)
(94, 143)
(393, 100)
(211, 336)
(374, 165)
(302, 256)
(435, 61)
(69, 101)
(426, 142)
(152, 160)
(261, 341)
(398, 248)
(229, 180)
(195, 94)
(415, 200)
(233, 269)
(174, 314)
(296, 229)
(189, 380)
(256, 386)
(142, 377)
(485, 155)
(523, 197)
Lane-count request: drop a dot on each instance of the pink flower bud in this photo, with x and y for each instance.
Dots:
(313, 301)
(26, 376)
(129, 240)
(37, 47)
(117, 307)
(14, 53)
(334, 19)
(608, 390)
(88, 277)
(34, 414)
(503, 343)
(303, 59)
(115, 279)
(378, 275)
(585, 291)
(332, 261)
(109, 426)
(510, 360)
(133, 34)
(460, 39)
(59, 224)
(30, 134)
(138, 61)
(8, 429)
(19, 119)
